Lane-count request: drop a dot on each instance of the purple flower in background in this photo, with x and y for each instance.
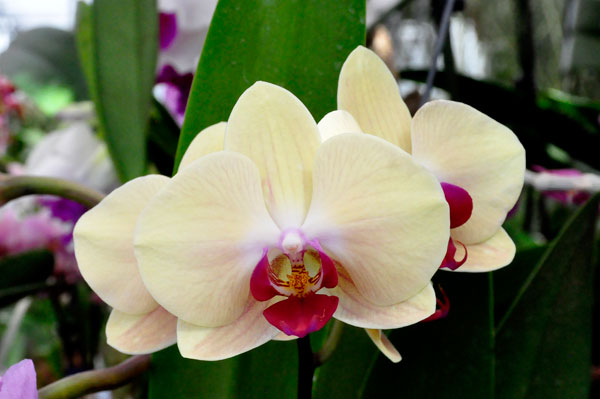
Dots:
(183, 28)
(19, 382)
(177, 90)
(63, 209)
(564, 196)
(167, 28)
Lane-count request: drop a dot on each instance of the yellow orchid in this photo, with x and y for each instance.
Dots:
(103, 241)
(479, 162)
(279, 232)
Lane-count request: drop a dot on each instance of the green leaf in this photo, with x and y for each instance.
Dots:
(117, 42)
(297, 44)
(269, 371)
(24, 274)
(44, 57)
(544, 340)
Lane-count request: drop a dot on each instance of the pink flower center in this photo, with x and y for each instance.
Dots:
(461, 208)
(298, 272)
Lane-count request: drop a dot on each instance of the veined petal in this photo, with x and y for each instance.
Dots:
(382, 343)
(198, 241)
(355, 310)
(209, 140)
(492, 254)
(103, 240)
(378, 213)
(337, 122)
(465, 147)
(145, 333)
(250, 330)
(276, 131)
(367, 89)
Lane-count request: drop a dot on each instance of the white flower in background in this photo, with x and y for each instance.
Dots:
(74, 153)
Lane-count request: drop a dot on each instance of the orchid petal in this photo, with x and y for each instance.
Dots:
(301, 316)
(378, 213)
(198, 241)
(368, 90)
(247, 332)
(492, 254)
(337, 122)
(19, 381)
(138, 334)
(206, 142)
(276, 131)
(465, 147)
(382, 343)
(355, 310)
(103, 240)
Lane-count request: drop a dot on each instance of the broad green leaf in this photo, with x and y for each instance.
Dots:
(44, 57)
(447, 358)
(24, 274)
(297, 44)
(117, 42)
(543, 341)
(266, 372)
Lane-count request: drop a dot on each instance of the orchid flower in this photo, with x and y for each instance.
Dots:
(19, 381)
(479, 162)
(278, 233)
(103, 239)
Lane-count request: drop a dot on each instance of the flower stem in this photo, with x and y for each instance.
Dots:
(330, 344)
(306, 368)
(88, 382)
(12, 187)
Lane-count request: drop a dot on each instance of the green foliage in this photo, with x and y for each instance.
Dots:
(44, 57)
(541, 346)
(266, 372)
(24, 274)
(297, 44)
(117, 41)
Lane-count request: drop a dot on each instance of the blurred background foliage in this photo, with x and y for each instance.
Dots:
(527, 331)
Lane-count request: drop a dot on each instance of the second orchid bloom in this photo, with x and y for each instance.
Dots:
(274, 225)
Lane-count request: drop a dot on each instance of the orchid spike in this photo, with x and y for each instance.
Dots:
(280, 232)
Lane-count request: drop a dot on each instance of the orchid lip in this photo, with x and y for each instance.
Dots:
(298, 272)
(460, 203)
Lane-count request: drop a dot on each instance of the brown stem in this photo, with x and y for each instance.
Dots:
(88, 382)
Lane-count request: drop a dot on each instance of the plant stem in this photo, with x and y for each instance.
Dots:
(88, 382)
(306, 368)
(12, 187)
(330, 344)
(439, 46)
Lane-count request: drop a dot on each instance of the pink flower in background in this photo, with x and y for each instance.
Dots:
(19, 381)
(564, 197)
(46, 222)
